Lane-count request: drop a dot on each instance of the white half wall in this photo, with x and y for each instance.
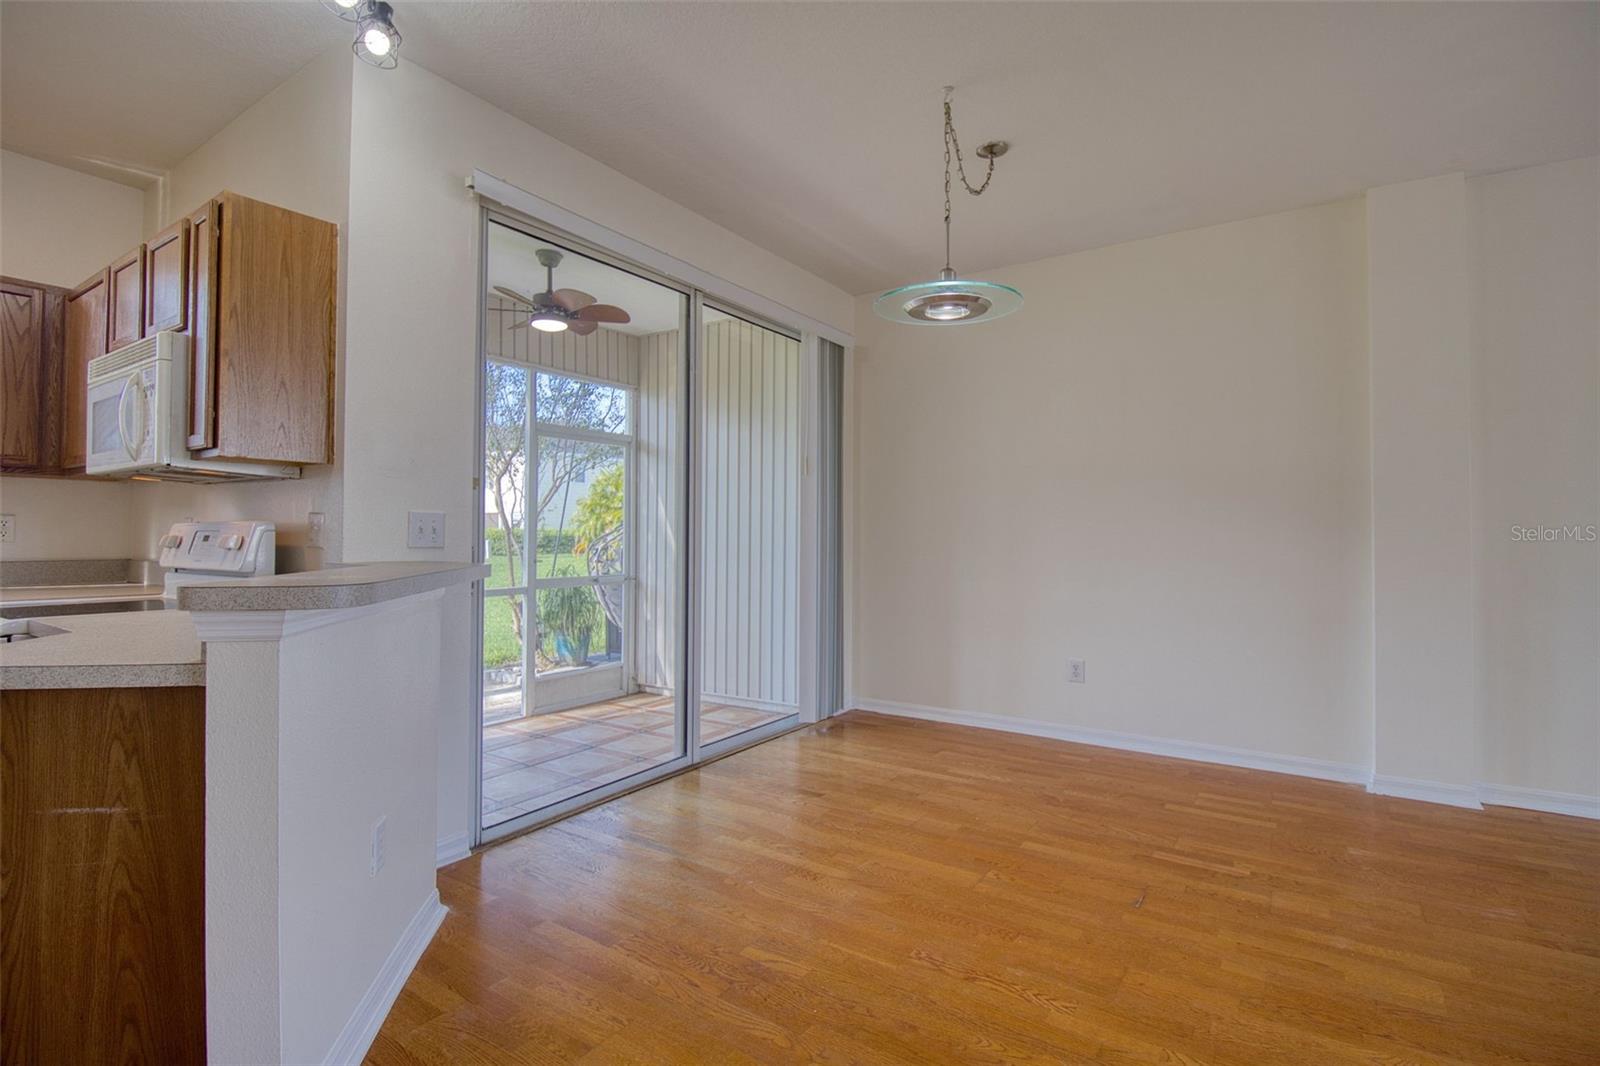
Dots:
(1160, 466)
(311, 923)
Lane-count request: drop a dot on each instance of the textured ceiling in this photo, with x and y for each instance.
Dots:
(814, 129)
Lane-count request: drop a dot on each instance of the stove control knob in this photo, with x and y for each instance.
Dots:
(171, 540)
(232, 542)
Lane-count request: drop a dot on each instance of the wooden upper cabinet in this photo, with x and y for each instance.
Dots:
(30, 375)
(274, 346)
(126, 300)
(202, 327)
(253, 287)
(21, 341)
(85, 341)
(166, 283)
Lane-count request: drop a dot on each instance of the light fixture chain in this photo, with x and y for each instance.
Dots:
(950, 140)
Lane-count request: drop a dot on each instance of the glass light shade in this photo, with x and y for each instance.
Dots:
(549, 324)
(948, 302)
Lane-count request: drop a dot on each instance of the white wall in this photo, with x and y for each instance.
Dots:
(58, 226)
(1163, 465)
(1537, 333)
(1418, 280)
(1160, 465)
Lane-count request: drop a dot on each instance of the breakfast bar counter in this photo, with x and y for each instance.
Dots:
(257, 742)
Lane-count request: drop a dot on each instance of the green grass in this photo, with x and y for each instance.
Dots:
(500, 647)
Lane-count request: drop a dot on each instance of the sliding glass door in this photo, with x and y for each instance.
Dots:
(645, 516)
(749, 511)
(583, 515)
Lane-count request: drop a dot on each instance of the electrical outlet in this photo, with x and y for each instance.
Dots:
(1075, 671)
(424, 529)
(314, 523)
(8, 528)
(376, 863)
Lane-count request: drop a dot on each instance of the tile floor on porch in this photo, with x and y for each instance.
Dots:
(529, 763)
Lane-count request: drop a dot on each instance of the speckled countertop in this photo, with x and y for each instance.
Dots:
(336, 588)
(155, 648)
(139, 650)
(52, 594)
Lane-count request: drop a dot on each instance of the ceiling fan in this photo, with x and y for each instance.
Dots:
(557, 309)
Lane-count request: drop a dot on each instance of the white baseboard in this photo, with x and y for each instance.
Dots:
(1470, 797)
(363, 1026)
(1426, 791)
(1570, 803)
(451, 849)
(1298, 765)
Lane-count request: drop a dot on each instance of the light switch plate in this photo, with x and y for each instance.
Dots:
(314, 523)
(424, 529)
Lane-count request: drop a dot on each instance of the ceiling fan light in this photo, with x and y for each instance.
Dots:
(548, 323)
(377, 41)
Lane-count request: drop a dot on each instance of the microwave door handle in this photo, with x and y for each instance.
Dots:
(130, 389)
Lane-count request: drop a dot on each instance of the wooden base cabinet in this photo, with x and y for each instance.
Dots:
(102, 892)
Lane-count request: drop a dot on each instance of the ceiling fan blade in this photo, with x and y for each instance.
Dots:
(572, 299)
(514, 295)
(582, 328)
(603, 313)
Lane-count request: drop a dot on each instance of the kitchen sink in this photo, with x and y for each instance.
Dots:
(11, 632)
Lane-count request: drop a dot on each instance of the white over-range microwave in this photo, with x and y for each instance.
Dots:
(138, 422)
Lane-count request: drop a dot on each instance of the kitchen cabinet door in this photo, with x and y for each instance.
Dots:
(21, 357)
(276, 285)
(126, 300)
(202, 327)
(85, 341)
(166, 286)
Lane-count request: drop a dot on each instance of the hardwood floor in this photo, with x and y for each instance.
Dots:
(879, 890)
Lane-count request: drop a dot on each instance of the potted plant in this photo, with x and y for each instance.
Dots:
(570, 616)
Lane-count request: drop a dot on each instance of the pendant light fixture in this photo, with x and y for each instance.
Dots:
(377, 41)
(952, 300)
